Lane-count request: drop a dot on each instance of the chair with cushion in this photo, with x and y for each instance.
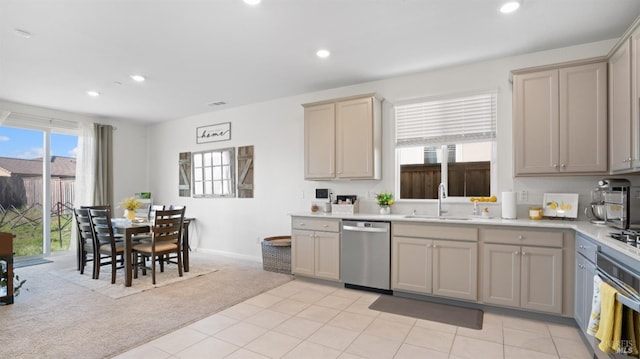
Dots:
(104, 239)
(166, 238)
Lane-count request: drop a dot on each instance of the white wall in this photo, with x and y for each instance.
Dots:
(275, 129)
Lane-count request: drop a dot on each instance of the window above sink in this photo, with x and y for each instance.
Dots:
(448, 140)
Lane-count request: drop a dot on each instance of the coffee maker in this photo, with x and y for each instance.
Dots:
(621, 203)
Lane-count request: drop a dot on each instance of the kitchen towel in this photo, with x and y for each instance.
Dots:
(629, 345)
(594, 318)
(610, 330)
(509, 205)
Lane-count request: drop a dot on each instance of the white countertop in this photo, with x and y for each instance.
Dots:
(598, 233)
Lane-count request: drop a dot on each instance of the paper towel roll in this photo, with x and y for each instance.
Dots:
(509, 205)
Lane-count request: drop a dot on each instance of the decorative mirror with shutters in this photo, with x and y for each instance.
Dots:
(214, 173)
(184, 174)
(245, 172)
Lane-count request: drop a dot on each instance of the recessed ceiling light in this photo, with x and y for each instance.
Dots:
(217, 103)
(22, 33)
(252, 2)
(323, 53)
(93, 93)
(137, 78)
(509, 7)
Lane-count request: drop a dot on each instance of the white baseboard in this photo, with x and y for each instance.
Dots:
(229, 254)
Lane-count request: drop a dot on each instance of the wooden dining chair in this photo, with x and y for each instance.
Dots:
(87, 252)
(108, 247)
(166, 238)
(173, 258)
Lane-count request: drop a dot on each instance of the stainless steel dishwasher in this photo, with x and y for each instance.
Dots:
(365, 255)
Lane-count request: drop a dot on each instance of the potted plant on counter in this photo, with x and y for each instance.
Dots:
(385, 200)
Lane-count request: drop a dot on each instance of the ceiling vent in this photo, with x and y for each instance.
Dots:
(217, 103)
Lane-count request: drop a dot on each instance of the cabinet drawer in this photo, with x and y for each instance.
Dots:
(316, 224)
(587, 248)
(467, 233)
(524, 237)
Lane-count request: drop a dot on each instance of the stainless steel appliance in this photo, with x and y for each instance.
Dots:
(596, 211)
(622, 203)
(365, 255)
(619, 273)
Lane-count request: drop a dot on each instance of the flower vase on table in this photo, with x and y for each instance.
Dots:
(130, 205)
(130, 214)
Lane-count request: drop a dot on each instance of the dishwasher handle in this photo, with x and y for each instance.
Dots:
(364, 229)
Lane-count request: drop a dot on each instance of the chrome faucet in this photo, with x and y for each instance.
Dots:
(441, 194)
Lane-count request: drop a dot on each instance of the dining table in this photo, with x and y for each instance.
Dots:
(130, 229)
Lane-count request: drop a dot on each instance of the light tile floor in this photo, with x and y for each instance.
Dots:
(308, 320)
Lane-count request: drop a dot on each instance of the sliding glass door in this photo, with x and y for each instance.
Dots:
(37, 181)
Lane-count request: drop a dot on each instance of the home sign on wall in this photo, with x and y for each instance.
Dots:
(214, 133)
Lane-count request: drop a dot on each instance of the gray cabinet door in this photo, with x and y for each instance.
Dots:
(501, 275)
(541, 286)
(620, 109)
(455, 269)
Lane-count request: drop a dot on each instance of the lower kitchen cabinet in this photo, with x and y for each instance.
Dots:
(441, 267)
(585, 270)
(315, 250)
(523, 276)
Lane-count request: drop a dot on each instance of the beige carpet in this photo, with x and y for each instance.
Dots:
(57, 318)
(103, 285)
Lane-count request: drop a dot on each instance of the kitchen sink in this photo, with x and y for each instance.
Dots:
(443, 218)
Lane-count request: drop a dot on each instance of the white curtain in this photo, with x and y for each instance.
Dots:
(85, 174)
(85, 166)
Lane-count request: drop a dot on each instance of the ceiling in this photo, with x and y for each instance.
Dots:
(196, 52)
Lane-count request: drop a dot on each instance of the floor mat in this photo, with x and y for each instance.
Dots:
(19, 263)
(437, 312)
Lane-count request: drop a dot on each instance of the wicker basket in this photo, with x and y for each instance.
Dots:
(276, 254)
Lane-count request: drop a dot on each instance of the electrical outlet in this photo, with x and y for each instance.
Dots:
(524, 195)
(301, 194)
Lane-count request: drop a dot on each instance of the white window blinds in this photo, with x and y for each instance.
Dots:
(465, 119)
(21, 120)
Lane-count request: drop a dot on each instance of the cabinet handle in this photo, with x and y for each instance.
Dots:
(435, 246)
(524, 253)
(563, 165)
(516, 253)
(302, 224)
(520, 237)
(325, 225)
(555, 165)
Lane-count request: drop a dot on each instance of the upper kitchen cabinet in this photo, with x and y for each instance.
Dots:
(343, 138)
(560, 119)
(624, 99)
(620, 109)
